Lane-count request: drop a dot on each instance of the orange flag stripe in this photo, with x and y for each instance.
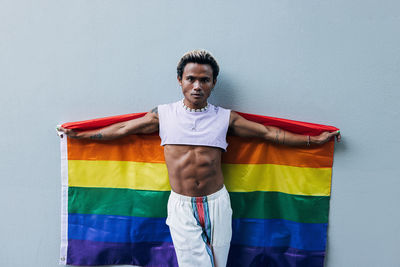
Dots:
(146, 148)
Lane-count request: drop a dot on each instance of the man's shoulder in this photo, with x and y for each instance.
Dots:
(218, 108)
(167, 108)
(170, 104)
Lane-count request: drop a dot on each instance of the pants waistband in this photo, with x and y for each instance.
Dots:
(212, 196)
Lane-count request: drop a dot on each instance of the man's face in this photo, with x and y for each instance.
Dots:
(197, 82)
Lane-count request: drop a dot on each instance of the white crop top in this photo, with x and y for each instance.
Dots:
(184, 127)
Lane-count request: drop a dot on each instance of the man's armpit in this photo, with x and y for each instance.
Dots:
(154, 110)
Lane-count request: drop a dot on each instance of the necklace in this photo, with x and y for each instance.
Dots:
(193, 109)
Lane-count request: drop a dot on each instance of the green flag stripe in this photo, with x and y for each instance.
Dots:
(277, 205)
(142, 203)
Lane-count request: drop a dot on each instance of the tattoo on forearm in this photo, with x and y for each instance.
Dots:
(96, 136)
(155, 110)
(278, 132)
(278, 136)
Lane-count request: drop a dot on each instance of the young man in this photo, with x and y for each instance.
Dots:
(193, 133)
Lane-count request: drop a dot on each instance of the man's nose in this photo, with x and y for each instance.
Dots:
(196, 85)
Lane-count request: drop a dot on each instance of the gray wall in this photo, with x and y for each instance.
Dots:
(330, 62)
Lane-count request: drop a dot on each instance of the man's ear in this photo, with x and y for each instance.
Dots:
(179, 80)
(214, 83)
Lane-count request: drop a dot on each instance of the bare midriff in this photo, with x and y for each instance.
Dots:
(194, 170)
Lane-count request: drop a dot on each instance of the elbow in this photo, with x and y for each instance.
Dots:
(117, 132)
(268, 135)
(265, 133)
(122, 131)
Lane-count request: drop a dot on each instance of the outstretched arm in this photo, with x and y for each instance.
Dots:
(245, 128)
(146, 124)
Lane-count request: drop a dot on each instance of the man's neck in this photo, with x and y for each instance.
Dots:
(194, 106)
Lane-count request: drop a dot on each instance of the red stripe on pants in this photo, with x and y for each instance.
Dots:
(200, 211)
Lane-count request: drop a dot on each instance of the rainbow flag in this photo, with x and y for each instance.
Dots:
(114, 198)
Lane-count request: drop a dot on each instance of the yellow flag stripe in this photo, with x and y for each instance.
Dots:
(238, 177)
(278, 178)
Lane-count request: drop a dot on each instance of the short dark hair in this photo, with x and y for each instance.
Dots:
(199, 56)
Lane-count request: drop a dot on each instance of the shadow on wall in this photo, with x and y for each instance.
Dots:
(223, 94)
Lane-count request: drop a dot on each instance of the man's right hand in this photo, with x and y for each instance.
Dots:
(69, 132)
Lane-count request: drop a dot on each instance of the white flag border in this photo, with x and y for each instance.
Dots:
(64, 198)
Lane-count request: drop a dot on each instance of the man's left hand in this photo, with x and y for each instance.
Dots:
(325, 137)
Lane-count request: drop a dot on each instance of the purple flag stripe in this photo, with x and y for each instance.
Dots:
(240, 256)
(84, 252)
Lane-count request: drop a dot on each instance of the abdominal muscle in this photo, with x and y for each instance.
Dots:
(194, 170)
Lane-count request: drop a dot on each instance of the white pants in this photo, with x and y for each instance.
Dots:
(201, 228)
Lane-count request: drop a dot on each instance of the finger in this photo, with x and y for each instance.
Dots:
(336, 134)
(330, 135)
(67, 131)
(60, 131)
